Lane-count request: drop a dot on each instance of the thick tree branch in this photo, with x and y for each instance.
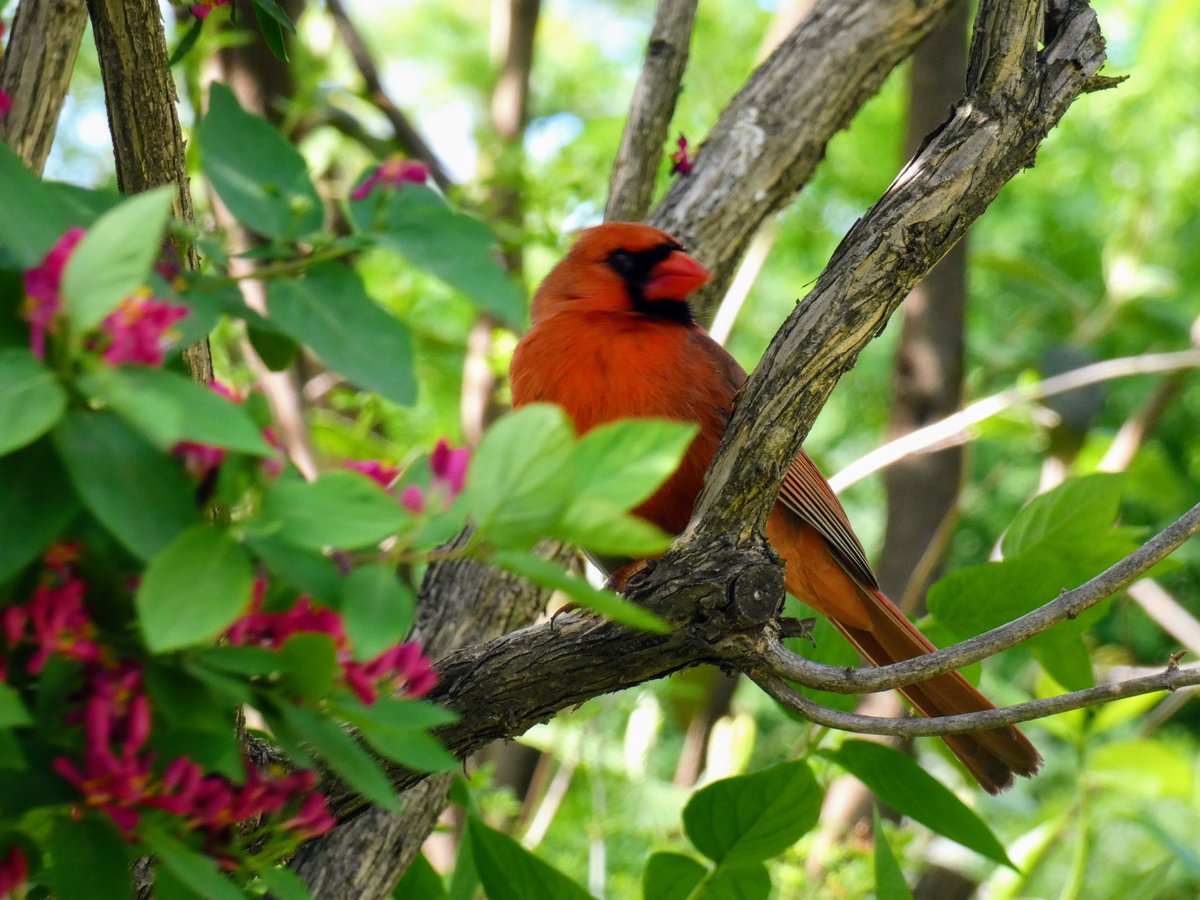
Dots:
(1170, 679)
(147, 139)
(406, 133)
(641, 153)
(770, 138)
(1068, 605)
(36, 72)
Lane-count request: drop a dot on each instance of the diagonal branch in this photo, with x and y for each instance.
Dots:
(1069, 605)
(1170, 679)
(641, 152)
(954, 428)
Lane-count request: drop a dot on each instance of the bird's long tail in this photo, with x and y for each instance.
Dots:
(992, 756)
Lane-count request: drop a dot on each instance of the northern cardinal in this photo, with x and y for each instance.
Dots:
(613, 337)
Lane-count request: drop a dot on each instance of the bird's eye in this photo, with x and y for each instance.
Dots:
(622, 262)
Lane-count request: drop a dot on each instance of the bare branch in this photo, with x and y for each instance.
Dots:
(1170, 679)
(954, 428)
(781, 661)
(35, 71)
(406, 133)
(641, 152)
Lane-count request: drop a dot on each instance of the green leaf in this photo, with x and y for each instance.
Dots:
(460, 250)
(330, 311)
(12, 708)
(36, 503)
(344, 755)
(671, 876)
(1072, 511)
(606, 603)
(420, 882)
(33, 219)
(194, 589)
(271, 30)
(899, 782)
(138, 494)
(31, 399)
(306, 570)
(521, 477)
(889, 879)
(1116, 713)
(114, 258)
(415, 750)
(1142, 767)
(275, 11)
(285, 884)
(624, 462)
(186, 43)
(740, 881)
(89, 859)
(401, 715)
(310, 663)
(241, 660)
(340, 509)
(510, 872)
(377, 608)
(274, 348)
(602, 527)
(194, 869)
(259, 175)
(754, 817)
(168, 408)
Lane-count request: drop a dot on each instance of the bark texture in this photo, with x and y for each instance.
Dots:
(36, 70)
(147, 139)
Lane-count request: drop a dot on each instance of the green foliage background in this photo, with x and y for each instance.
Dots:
(1097, 249)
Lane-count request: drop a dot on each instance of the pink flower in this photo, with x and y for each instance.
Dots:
(57, 618)
(391, 173)
(412, 498)
(140, 331)
(14, 870)
(681, 162)
(5, 103)
(403, 668)
(43, 289)
(313, 819)
(204, 7)
(449, 467)
(381, 474)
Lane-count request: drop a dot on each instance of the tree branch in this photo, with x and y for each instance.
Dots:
(1170, 679)
(641, 153)
(36, 72)
(406, 133)
(1069, 605)
(954, 428)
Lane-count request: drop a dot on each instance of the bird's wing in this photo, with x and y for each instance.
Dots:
(807, 494)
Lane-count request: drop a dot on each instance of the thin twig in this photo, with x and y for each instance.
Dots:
(1068, 605)
(954, 429)
(406, 133)
(641, 152)
(1170, 679)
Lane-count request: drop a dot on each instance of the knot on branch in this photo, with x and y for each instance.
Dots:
(756, 595)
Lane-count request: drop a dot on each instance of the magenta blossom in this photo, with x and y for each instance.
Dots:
(449, 467)
(381, 473)
(204, 7)
(43, 289)
(5, 106)
(403, 668)
(55, 619)
(391, 173)
(14, 870)
(140, 330)
(681, 161)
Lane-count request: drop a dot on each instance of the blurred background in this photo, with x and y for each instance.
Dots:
(1094, 254)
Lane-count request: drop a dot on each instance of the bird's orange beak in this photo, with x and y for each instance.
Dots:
(675, 278)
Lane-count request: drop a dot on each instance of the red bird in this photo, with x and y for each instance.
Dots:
(613, 337)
